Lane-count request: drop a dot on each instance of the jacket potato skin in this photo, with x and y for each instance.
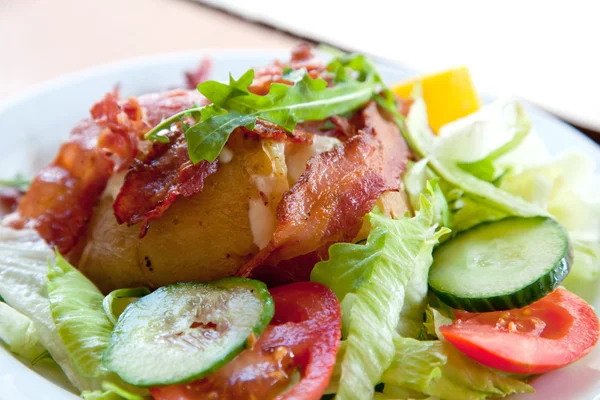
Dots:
(202, 238)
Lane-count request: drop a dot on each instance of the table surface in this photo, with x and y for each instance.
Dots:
(43, 39)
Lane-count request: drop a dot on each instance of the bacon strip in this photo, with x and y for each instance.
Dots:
(302, 57)
(200, 74)
(9, 200)
(337, 189)
(153, 185)
(61, 198)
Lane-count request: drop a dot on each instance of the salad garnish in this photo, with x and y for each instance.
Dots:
(355, 81)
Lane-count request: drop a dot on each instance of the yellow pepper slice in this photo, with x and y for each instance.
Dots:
(449, 95)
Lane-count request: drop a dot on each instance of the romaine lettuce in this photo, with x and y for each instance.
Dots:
(77, 309)
(375, 283)
(24, 258)
(424, 144)
(567, 189)
(436, 368)
(76, 306)
(23, 270)
(478, 141)
(19, 334)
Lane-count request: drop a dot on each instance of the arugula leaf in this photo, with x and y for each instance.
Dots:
(356, 82)
(17, 183)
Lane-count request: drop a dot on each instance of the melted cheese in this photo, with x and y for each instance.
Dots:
(262, 218)
(114, 184)
(226, 155)
(298, 155)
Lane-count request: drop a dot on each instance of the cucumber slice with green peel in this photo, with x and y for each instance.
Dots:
(185, 331)
(501, 265)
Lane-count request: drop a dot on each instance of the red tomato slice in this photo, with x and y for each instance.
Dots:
(303, 336)
(546, 335)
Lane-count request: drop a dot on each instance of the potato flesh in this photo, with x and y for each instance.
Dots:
(202, 238)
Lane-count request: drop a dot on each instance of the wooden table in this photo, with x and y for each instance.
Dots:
(42, 39)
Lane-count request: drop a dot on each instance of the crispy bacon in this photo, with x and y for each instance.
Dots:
(270, 131)
(158, 106)
(9, 200)
(337, 189)
(61, 198)
(122, 125)
(302, 57)
(200, 74)
(153, 185)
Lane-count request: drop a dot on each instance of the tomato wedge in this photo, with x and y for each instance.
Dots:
(546, 335)
(304, 336)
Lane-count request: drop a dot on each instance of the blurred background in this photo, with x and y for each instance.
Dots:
(542, 51)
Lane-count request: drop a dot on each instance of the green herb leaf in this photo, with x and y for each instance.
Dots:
(17, 183)
(356, 82)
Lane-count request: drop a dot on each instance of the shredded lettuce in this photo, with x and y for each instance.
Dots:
(119, 299)
(567, 189)
(373, 282)
(424, 143)
(478, 141)
(112, 391)
(77, 309)
(19, 334)
(76, 306)
(436, 368)
(23, 270)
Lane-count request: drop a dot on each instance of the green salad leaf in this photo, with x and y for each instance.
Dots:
(23, 275)
(567, 189)
(119, 299)
(233, 105)
(436, 368)
(476, 143)
(19, 334)
(111, 391)
(84, 327)
(17, 182)
(372, 281)
(76, 306)
(423, 142)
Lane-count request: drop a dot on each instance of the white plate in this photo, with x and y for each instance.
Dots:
(33, 124)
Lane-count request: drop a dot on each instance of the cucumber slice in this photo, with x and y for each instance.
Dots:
(501, 265)
(186, 331)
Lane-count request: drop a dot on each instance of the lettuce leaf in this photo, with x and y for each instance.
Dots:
(119, 299)
(76, 306)
(484, 193)
(373, 282)
(436, 368)
(19, 334)
(112, 391)
(24, 285)
(23, 270)
(478, 141)
(567, 189)
(85, 329)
